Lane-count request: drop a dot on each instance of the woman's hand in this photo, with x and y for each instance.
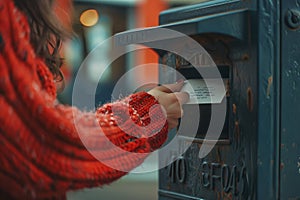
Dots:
(171, 100)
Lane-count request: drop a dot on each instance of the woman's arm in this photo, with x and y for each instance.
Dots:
(47, 148)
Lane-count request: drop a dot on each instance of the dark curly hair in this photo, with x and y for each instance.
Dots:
(46, 33)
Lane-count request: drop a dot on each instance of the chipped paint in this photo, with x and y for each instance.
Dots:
(270, 82)
(298, 165)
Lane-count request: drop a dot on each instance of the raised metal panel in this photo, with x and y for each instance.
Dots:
(290, 98)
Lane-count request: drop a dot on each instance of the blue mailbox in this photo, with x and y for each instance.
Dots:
(256, 48)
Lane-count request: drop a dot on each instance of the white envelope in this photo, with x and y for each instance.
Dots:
(210, 91)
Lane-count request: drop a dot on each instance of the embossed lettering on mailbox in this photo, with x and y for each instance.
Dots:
(177, 170)
(230, 179)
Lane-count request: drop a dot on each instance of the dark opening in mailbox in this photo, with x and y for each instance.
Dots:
(255, 47)
(198, 88)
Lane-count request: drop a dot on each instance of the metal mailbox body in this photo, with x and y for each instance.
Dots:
(260, 158)
(256, 46)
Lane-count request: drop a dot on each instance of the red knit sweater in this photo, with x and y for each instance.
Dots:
(42, 155)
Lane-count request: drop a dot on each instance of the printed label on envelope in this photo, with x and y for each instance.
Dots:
(210, 91)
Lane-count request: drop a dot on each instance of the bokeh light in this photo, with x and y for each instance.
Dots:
(89, 17)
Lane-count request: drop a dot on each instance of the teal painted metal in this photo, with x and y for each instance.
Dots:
(271, 70)
(258, 156)
(228, 31)
(290, 98)
(268, 160)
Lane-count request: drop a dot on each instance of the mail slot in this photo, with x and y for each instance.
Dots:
(255, 48)
(205, 97)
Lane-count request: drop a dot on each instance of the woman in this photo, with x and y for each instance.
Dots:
(42, 153)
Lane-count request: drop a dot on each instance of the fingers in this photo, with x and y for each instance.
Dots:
(172, 123)
(182, 97)
(170, 88)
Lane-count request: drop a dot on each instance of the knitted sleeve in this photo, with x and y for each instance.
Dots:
(47, 149)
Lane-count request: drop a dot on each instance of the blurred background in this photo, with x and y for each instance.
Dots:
(93, 22)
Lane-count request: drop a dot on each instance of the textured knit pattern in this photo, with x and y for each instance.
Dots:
(43, 145)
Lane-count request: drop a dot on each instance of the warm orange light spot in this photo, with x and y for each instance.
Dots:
(89, 17)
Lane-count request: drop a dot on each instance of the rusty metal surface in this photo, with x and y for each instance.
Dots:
(228, 172)
(262, 155)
